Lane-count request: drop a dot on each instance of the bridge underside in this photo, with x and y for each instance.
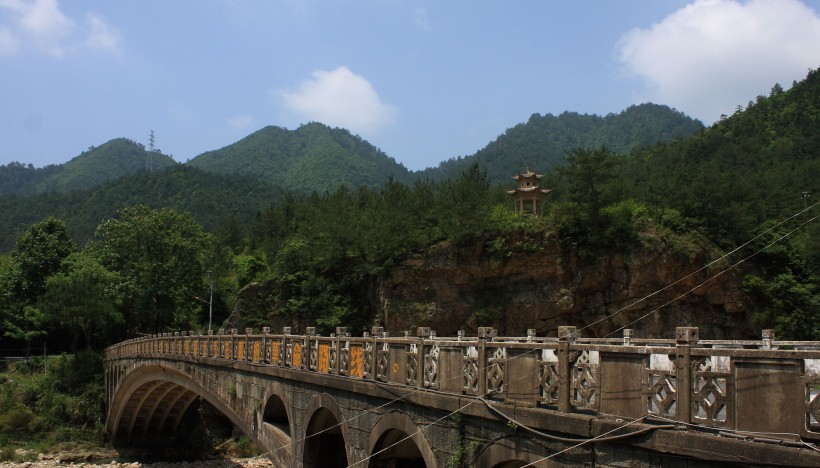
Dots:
(154, 411)
(154, 405)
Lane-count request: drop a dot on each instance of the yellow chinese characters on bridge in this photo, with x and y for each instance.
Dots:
(297, 355)
(324, 357)
(275, 352)
(356, 361)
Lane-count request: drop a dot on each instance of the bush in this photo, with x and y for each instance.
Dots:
(64, 404)
(622, 223)
(8, 454)
(16, 421)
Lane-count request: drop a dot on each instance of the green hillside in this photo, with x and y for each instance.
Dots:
(106, 162)
(312, 157)
(756, 166)
(544, 140)
(210, 198)
(20, 179)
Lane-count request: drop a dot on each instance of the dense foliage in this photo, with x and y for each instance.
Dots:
(321, 253)
(21, 179)
(312, 157)
(543, 141)
(51, 403)
(109, 161)
(748, 182)
(210, 198)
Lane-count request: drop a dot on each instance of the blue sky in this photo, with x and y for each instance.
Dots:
(422, 80)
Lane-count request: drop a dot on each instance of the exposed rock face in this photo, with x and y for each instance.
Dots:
(651, 291)
(453, 289)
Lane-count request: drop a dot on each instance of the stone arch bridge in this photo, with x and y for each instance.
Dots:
(485, 401)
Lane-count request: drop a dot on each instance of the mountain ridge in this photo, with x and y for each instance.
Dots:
(297, 159)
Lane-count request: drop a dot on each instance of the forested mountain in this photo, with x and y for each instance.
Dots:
(21, 179)
(616, 228)
(751, 168)
(543, 141)
(109, 161)
(210, 198)
(717, 229)
(317, 157)
(312, 157)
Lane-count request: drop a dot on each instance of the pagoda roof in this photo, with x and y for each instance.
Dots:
(532, 189)
(527, 174)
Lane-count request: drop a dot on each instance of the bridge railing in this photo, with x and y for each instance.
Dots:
(753, 385)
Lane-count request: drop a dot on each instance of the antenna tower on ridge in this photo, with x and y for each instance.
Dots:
(149, 163)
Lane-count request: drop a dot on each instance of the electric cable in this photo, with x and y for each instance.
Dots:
(711, 278)
(622, 309)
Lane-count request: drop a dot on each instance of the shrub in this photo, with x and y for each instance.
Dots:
(16, 421)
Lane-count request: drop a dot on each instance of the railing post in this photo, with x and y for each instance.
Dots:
(374, 356)
(232, 354)
(484, 334)
(310, 332)
(422, 333)
(265, 352)
(340, 332)
(627, 336)
(283, 350)
(566, 336)
(248, 345)
(685, 337)
(768, 337)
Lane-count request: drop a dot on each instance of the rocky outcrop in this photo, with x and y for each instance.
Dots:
(540, 285)
(652, 291)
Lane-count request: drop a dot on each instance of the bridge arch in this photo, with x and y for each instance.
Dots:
(397, 441)
(151, 401)
(276, 424)
(326, 434)
(514, 452)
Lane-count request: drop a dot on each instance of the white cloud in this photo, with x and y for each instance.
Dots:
(713, 55)
(241, 122)
(41, 25)
(339, 98)
(101, 36)
(8, 42)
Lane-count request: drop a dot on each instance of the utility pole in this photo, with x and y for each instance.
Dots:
(210, 301)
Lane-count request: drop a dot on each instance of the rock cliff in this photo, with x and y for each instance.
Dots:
(452, 289)
(651, 290)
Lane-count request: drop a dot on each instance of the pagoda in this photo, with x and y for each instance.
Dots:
(529, 196)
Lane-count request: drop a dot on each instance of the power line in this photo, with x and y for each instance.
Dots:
(712, 277)
(622, 309)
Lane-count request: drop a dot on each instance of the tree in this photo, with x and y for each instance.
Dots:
(464, 205)
(35, 257)
(82, 296)
(588, 172)
(159, 257)
(25, 324)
